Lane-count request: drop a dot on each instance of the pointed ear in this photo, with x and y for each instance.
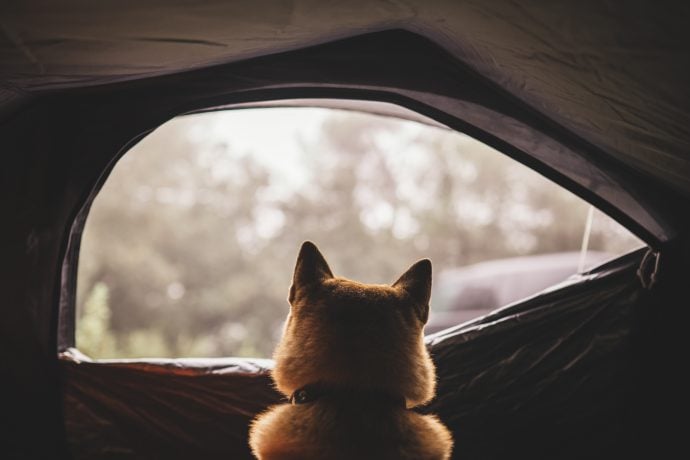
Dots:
(311, 269)
(416, 282)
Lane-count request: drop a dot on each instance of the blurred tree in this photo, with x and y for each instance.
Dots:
(94, 335)
(189, 247)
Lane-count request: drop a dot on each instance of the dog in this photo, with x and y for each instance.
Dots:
(352, 363)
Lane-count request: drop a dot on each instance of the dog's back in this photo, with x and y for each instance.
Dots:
(352, 360)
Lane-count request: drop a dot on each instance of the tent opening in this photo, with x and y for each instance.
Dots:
(188, 248)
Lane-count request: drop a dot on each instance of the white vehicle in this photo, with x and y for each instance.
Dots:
(465, 293)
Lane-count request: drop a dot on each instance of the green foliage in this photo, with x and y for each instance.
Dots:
(189, 247)
(93, 334)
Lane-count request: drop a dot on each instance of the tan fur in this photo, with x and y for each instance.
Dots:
(357, 337)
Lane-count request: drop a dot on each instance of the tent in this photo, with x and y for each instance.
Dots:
(593, 95)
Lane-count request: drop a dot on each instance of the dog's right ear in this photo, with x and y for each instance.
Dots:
(416, 281)
(311, 270)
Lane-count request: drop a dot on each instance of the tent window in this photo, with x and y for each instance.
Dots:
(189, 247)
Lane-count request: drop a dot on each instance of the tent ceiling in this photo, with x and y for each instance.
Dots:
(614, 73)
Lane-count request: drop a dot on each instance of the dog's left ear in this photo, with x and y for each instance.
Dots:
(416, 282)
(311, 269)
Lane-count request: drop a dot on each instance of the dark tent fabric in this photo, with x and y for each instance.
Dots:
(567, 358)
(614, 73)
(173, 409)
(593, 95)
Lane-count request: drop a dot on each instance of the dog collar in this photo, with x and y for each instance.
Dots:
(314, 392)
(305, 395)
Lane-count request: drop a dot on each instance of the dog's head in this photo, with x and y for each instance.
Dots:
(360, 336)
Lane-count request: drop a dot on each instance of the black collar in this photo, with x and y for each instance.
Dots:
(314, 392)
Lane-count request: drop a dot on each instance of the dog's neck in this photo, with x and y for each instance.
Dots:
(318, 391)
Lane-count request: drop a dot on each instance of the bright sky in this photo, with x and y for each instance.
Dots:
(268, 135)
(273, 138)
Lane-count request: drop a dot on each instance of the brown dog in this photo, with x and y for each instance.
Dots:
(352, 361)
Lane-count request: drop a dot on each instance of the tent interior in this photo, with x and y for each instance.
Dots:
(593, 96)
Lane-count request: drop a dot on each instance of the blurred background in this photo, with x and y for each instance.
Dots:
(189, 247)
